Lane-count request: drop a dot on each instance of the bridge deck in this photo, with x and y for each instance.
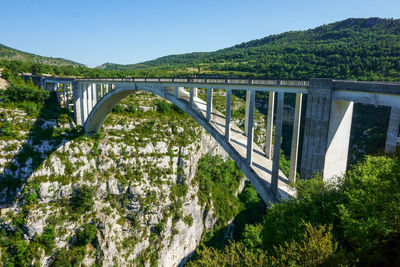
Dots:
(261, 164)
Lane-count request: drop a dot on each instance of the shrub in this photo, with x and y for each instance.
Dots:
(31, 108)
(83, 199)
(48, 237)
(6, 129)
(158, 228)
(20, 92)
(118, 109)
(163, 106)
(86, 235)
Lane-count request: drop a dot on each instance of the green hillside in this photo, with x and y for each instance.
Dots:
(7, 53)
(366, 49)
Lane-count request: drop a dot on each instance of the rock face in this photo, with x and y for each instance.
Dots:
(144, 202)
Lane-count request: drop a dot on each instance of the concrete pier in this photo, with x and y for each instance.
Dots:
(209, 103)
(316, 127)
(191, 100)
(85, 102)
(277, 143)
(94, 94)
(250, 126)
(246, 116)
(78, 102)
(392, 136)
(338, 139)
(228, 114)
(176, 91)
(295, 139)
(270, 125)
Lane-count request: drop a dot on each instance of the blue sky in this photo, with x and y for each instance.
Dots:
(121, 31)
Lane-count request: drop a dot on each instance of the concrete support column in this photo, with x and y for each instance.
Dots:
(94, 94)
(338, 139)
(277, 143)
(228, 114)
(67, 95)
(316, 127)
(102, 90)
(250, 125)
(295, 139)
(327, 132)
(195, 92)
(246, 116)
(85, 102)
(58, 94)
(64, 93)
(209, 103)
(176, 91)
(69, 89)
(77, 100)
(393, 130)
(191, 97)
(90, 97)
(270, 125)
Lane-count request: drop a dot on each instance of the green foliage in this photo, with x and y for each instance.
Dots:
(83, 199)
(66, 258)
(158, 228)
(361, 211)
(316, 249)
(86, 235)
(251, 236)
(6, 130)
(20, 92)
(218, 180)
(163, 106)
(235, 254)
(48, 237)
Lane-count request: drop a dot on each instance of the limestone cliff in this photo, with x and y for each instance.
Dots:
(132, 181)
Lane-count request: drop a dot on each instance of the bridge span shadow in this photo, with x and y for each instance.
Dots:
(44, 138)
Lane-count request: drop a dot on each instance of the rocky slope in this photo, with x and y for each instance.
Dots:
(132, 181)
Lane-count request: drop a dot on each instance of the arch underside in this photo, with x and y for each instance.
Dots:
(259, 173)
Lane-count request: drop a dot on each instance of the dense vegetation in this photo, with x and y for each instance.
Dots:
(354, 222)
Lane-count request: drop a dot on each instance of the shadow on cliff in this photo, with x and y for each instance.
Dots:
(43, 139)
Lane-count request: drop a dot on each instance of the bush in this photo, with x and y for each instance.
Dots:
(83, 199)
(31, 108)
(20, 92)
(86, 235)
(6, 129)
(48, 237)
(163, 106)
(118, 109)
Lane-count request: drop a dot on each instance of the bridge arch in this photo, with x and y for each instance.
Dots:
(102, 108)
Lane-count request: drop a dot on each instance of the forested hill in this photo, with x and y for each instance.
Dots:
(350, 49)
(8, 53)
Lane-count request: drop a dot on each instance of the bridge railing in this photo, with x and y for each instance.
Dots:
(294, 83)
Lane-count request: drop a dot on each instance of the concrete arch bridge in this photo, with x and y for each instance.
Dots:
(328, 118)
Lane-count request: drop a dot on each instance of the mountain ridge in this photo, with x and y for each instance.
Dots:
(348, 33)
(8, 53)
